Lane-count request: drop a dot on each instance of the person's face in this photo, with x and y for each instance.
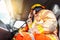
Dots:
(34, 13)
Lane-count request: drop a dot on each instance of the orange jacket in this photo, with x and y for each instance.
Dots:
(26, 36)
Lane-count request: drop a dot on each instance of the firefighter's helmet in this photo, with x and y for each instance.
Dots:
(37, 7)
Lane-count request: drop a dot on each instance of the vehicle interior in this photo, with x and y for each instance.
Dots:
(18, 10)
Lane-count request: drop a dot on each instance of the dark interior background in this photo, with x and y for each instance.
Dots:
(28, 3)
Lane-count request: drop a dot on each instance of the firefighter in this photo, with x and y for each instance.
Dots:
(46, 19)
(42, 23)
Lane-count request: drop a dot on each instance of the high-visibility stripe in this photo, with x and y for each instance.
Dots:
(40, 29)
(30, 26)
(32, 36)
(52, 37)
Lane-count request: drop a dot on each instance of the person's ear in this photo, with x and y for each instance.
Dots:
(34, 12)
